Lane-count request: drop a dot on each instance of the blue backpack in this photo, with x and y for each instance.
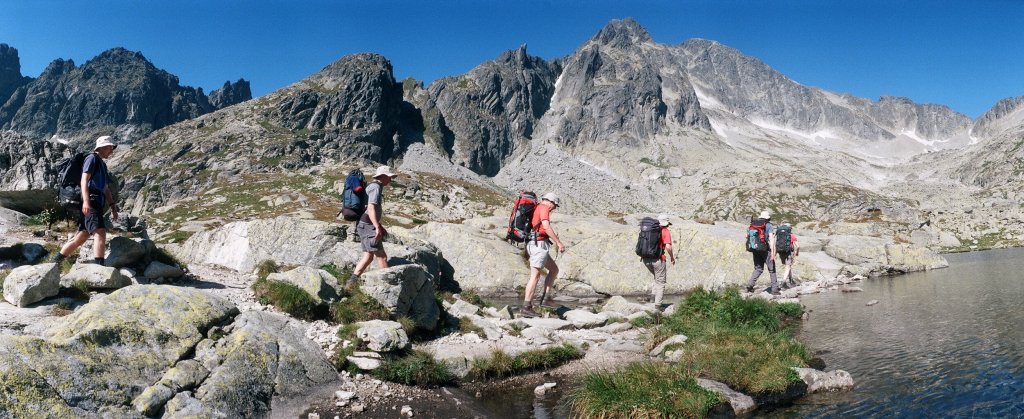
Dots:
(757, 240)
(353, 197)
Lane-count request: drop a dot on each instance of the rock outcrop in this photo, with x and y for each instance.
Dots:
(148, 349)
(318, 283)
(95, 277)
(405, 290)
(230, 94)
(10, 72)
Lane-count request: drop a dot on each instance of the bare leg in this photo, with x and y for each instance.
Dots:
(99, 245)
(531, 285)
(77, 241)
(382, 259)
(363, 263)
(549, 281)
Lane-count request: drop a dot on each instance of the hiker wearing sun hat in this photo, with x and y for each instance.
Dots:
(371, 233)
(96, 194)
(763, 256)
(538, 247)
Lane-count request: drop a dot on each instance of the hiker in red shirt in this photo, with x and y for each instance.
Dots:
(657, 265)
(537, 247)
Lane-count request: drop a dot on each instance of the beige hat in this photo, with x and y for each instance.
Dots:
(663, 220)
(550, 196)
(384, 171)
(766, 215)
(103, 142)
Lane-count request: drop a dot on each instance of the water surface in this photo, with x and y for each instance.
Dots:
(944, 343)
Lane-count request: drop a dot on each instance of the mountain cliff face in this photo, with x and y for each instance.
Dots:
(492, 110)
(352, 110)
(10, 72)
(118, 92)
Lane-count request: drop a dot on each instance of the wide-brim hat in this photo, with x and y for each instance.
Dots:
(550, 196)
(103, 142)
(766, 215)
(384, 171)
(663, 220)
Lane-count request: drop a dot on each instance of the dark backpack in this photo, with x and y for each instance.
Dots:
(69, 181)
(519, 222)
(353, 197)
(648, 243)
(784, 239)
(757, 240)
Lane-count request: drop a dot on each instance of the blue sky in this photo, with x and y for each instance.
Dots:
(965, 54)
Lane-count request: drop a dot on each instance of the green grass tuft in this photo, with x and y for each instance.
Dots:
(500, 364)
(287, 298)
(358, 307)
(341, 274)
(474, 299)
(265, 268)
(466, 325)
(641, 390)
(414, 368)
(746, 344)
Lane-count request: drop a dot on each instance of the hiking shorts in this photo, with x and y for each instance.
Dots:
(539, 253)
(366, 233)
(93, 220)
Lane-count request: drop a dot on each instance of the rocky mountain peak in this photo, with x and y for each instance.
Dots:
(349, 65)
(10, 72)
(622, 33)
(996, 119)
(230, 94)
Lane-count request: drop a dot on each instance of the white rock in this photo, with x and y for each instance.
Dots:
(674, 340)
(407, 411)
(95, 276)
(741, 403)
(821, 381)
(365, 364)
(30, 284)
(871, 303)
(583, 319)
(344, 395)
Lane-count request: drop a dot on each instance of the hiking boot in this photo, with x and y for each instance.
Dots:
(352, 282)
(750, 288)
(549, 303)
(527, 312)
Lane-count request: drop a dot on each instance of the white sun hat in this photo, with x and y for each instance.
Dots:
(550, 196)
(103, 142)
(766, 215)
(384, 171)
(663, 220)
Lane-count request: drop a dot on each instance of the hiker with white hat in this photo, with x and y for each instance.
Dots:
(96, 194)
(653, 244)
(371, 233)
(761, 242)
(538, 247)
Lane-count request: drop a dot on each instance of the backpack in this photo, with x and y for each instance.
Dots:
(648, 243)
(69, 181)
(353, 197)
(519, 222)
(784, 239)
(757, 240)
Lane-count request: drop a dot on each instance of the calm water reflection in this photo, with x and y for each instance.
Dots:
(946, 343)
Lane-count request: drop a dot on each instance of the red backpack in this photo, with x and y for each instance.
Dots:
(519, 221)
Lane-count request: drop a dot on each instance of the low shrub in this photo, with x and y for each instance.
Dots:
(287, 298)
(475, 299)
(414, 368)
(500, 364)
(641, 390)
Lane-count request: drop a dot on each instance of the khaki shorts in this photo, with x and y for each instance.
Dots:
(538, 252)
(366, 232)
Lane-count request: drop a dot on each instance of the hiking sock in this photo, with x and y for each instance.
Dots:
(99, 261)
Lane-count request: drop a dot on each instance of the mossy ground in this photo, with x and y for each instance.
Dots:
(745, 343)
